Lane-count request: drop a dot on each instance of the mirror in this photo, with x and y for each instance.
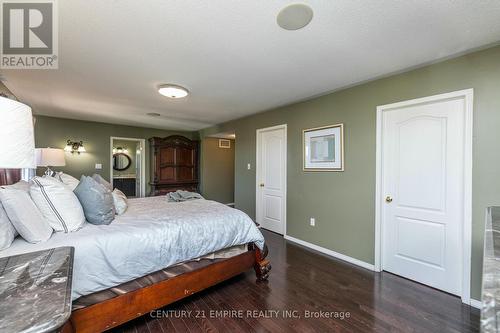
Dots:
(121, 161)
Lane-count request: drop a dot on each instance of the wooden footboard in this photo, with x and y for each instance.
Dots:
(262, 266)
(118, 310)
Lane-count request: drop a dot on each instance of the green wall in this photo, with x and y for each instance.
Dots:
(344, 202)
(217, 171)
(54, 132)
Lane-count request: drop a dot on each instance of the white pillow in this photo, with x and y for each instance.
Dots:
(24, 215)
(98, 178)
(67, 180)
(120, 201)
(57, 203)
(7, 230)
(20, 185)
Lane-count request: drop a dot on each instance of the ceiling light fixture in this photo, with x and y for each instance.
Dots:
(294, 17)
(173, 91)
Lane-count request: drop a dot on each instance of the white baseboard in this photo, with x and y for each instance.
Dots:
(231, 204)
(331, 253)
(473, 302)
(476, 304)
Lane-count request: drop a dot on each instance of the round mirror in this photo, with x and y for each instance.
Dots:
(121, 161)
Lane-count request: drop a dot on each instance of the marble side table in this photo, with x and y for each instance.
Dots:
(490, 312)
(35, 290)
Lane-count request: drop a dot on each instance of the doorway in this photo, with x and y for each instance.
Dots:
(128, 166)
(271, 164)
(424, 185)
(218, 167)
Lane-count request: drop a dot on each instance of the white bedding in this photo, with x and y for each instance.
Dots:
(152, 234)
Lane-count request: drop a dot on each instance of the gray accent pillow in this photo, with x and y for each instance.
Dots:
(98, 178)
(96, 200)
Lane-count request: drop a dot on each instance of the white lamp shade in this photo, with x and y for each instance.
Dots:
(17, 140)
(50, 157)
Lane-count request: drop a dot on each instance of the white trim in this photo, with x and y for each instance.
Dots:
(230, 204)
(467, 95)
(257, 176)
(331, 253)
(143, 161)
(476, 304)
(467, 210)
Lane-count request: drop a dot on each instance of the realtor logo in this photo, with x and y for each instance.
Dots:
(29, 35)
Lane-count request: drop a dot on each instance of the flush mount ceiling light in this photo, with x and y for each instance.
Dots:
(295, 16)
(173, 91)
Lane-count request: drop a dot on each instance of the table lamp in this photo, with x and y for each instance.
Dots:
(49, 157)
(17, 140)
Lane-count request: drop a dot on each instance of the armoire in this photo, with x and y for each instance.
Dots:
(174, 164)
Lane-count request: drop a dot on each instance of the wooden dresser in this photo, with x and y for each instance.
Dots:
(174, 162)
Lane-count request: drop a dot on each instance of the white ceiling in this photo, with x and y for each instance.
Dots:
(232, 55)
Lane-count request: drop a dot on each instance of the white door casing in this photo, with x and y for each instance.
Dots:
(271, 178)
(138, 166)
(424, 167)
(141, 172)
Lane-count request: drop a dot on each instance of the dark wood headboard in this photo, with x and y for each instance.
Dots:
(9, 176)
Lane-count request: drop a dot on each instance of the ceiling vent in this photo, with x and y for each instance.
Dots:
(224, 143)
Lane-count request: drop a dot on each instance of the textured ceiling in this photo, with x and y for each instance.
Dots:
(232, 55)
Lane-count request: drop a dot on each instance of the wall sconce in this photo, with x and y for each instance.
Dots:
(74, 147)
(120, 150)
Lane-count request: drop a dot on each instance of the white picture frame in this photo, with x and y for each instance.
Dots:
(323, 148)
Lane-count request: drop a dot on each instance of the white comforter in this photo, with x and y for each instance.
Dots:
(152, 234)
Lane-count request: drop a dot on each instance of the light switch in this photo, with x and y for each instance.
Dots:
(249, 166)
(98, 166)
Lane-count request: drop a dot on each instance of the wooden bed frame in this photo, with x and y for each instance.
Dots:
(120, 309)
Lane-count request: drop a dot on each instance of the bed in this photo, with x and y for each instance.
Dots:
(154, 254)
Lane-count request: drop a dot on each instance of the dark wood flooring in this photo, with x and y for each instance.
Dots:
(302, 280)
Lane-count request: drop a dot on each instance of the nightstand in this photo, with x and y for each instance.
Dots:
(35, 290)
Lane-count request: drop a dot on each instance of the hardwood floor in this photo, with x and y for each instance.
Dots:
(303, 281)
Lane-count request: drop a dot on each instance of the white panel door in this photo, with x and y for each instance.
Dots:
(271, 178)
(422, 179)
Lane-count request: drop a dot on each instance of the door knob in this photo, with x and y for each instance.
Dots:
(388, 199)
(261, 185)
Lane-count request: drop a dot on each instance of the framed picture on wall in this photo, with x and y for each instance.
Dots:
(324, 148)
